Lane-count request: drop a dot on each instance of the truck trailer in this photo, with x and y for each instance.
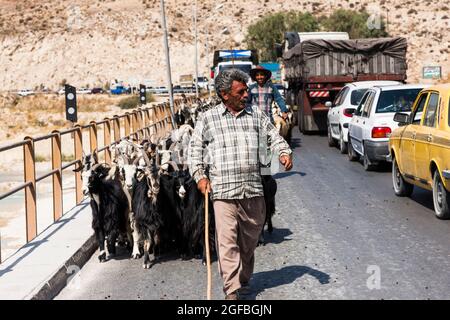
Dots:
(316, 69)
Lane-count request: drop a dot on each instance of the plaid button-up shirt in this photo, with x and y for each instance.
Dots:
(231, 145)
(264, 96)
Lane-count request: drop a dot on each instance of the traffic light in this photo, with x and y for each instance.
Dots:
(142, 94)
(71, 103)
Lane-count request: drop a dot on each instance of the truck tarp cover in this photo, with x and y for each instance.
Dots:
(346, 57)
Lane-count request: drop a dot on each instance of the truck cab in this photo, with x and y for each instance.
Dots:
(244, 60)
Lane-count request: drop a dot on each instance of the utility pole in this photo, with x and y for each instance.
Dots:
(169, 73)
(196, 49)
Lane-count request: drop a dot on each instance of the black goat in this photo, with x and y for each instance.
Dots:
(270, 190)
(191, 209)
(109, 209)
(147, 217)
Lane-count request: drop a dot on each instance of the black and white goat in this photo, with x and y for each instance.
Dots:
(109, 204)
(146, 214)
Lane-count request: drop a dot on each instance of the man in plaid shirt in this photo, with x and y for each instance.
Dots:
(263, 93)
(230, 135)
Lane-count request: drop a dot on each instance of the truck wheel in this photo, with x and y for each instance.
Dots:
(401, 187)
(352, 155)
(331, 141)
(300, 120)
(441, 197)
(343, 146)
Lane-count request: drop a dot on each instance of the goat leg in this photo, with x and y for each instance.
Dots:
(101, 244)
(147, 246)
(136, 254)
(111, 242)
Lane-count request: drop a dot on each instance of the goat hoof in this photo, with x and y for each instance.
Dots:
(135, 255)
(204, 262)
(102, 257)
(146, 266)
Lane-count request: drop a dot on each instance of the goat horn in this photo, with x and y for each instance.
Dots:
(146, 158)
(136, 161)
(125, 159)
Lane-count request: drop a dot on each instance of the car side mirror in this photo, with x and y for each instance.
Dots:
(401, 118)
(328, 104)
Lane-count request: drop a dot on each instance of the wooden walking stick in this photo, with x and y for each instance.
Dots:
(208, 259)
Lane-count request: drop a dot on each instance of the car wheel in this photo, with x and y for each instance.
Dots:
(441, 197)
(401, 187)
(368, 165)
(331, 141)
(352, 155)
(342, 144)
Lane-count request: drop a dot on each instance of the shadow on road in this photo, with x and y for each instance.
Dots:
(423, 197)
(282, 175)
(275, 278)
(277, 236)
(296, 143)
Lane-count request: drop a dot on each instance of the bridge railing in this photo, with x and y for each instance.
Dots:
(141, 123)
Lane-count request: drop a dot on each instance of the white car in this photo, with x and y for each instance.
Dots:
(341, 110)
(373, 121)
(25, 92)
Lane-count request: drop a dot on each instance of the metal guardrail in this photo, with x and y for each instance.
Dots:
(140, 123)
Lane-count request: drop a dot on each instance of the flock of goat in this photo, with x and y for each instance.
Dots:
(147, 199)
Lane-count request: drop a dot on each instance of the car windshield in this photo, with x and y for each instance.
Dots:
(356, 96)
(243, 67)
(396, 100)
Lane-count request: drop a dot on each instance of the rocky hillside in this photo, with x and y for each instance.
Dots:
(92, 42)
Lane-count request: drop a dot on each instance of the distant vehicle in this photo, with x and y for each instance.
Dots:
(244, 60)
(25, 92)
(316, 69)
(186, 80)
(62, 91)
(97, 90)
(159, 90)
(341, 110)
(83, 91)
(373, 122)
(420, 150)
(202, 83)
(119, 90)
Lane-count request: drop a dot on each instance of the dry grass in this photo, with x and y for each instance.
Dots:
(43, 113)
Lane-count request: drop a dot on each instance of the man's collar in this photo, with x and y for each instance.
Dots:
(223, 109)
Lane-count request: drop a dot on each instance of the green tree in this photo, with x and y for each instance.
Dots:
(270, 29)
(355, 23)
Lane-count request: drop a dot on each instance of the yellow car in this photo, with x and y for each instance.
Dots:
(420, 148)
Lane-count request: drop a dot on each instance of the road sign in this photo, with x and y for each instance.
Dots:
(431, 72)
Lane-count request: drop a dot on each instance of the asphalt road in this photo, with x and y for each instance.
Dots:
(341, 233)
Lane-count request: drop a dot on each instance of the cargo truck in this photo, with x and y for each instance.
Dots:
(316, 69)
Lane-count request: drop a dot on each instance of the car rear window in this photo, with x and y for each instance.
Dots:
(356, 96)
(396, 100)
(243, 67)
